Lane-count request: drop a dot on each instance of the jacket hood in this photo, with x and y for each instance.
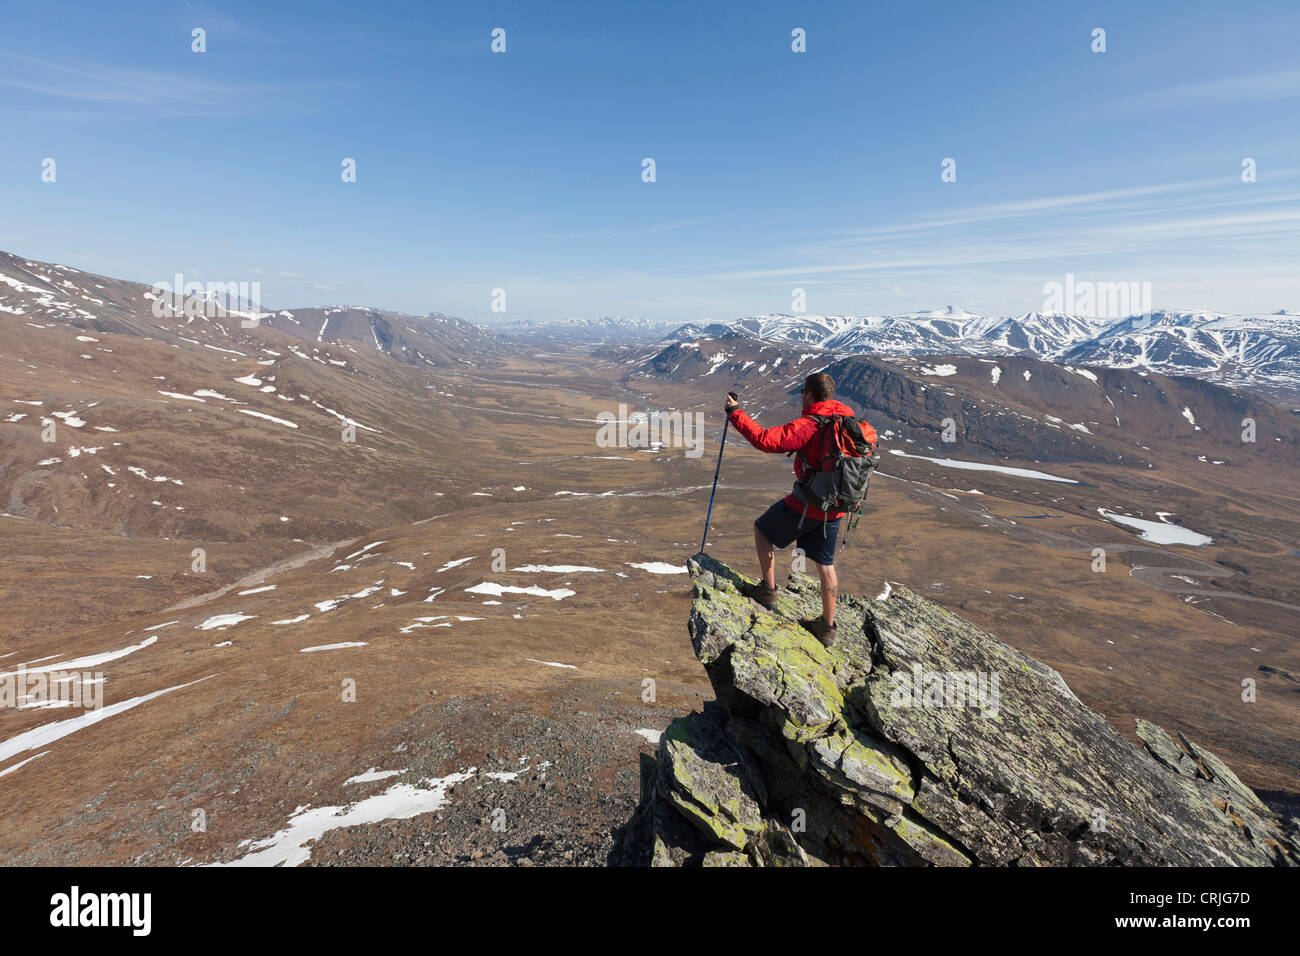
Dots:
(830, 407)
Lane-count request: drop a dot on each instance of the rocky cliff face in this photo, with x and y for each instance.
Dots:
(917, 739)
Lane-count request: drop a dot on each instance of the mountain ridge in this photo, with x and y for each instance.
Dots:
(1256, 351)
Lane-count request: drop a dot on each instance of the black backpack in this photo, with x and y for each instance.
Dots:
(840, 483)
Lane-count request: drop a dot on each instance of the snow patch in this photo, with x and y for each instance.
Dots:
(498, 590)
(1158, 532)
(224, 621)
(657, 567)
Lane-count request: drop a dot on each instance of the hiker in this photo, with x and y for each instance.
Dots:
(791, 519)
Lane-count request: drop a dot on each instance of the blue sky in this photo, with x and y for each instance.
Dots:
(775, 170)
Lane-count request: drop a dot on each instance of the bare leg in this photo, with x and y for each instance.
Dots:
(766, 558)
(830, 591)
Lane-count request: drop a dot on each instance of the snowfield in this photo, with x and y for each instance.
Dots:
(401, 801)
(269, 418)
(555, 569)
(1158, 532)
(981, 466)
(224, 621)
(497, 590)
(657, 567)
(48, 733)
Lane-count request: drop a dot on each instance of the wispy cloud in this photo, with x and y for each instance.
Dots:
(639, 230)
(1253, 87)
(1086, 225)
(993, 212)
(136, 90)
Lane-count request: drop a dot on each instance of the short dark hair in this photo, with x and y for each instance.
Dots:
(820, 387)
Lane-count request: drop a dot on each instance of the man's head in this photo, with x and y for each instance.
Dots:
(818, 387)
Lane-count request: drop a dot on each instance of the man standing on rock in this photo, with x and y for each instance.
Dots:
(791, 519)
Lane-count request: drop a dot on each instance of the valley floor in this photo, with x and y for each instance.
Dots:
(411, 695)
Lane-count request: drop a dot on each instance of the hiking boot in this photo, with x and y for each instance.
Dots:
(761, 593)
(819, 629)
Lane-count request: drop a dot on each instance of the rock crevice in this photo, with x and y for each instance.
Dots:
(917, 739)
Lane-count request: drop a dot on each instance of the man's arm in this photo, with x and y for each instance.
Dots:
(788, 437)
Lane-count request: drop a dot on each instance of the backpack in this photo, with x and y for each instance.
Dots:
(840, 483)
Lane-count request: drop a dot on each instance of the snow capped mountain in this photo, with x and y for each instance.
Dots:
(1041, 333)
(905, 334)
(1254, 351)
(693, 331)
(605, 329)
(1261, 352)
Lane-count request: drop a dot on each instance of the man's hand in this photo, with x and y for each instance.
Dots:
(732, 404)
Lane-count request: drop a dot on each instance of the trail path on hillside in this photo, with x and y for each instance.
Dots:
(254, 578)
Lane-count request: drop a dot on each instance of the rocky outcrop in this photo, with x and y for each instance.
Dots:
(917, 739)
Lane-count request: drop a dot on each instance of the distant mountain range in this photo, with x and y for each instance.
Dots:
(602, 330)
(1259, 352)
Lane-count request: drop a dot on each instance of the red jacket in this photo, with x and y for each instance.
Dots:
(798, 435)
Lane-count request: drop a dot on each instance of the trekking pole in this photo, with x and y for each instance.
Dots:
(716, 471)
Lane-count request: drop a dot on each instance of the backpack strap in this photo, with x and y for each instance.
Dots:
(821, 421)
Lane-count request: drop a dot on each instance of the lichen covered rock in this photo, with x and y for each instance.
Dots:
(917, 739)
